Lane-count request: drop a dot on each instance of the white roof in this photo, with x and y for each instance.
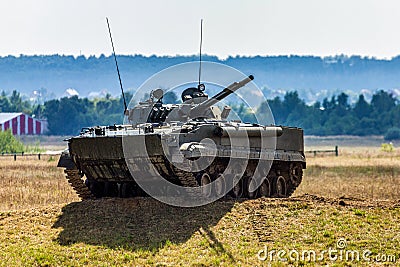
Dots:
(8, 116)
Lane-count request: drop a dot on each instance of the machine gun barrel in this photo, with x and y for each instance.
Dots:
(221, 95)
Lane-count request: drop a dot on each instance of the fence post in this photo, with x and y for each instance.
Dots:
(39, 156)
(15, 156)
(336, 151)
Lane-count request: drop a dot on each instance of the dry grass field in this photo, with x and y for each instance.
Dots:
(359, 172)
(29, 182)
(354, 197)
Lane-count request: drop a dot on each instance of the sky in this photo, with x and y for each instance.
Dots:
(172, 27)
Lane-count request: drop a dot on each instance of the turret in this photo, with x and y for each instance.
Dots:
(202, 108)
(196, 104)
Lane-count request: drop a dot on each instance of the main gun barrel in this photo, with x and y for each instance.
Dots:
(221, 95)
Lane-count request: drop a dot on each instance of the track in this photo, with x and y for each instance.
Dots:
(282, 181)
(74, 178)
(187, 179)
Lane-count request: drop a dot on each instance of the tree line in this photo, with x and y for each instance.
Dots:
(334, 116)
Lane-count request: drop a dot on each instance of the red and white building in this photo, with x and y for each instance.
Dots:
(22, 124)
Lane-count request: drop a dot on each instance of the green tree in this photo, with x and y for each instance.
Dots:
(170, 98)
(329, 105)
(342, 106)
(362, 109)
(17, 104)
(393, 134)
(5, 105)
(16, 101)
(295, 108)
(277, 109)
(244, 113)
(10, 144)
(382, 102)
(69, 115)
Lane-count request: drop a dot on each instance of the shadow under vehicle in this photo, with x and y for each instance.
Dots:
(137, 224)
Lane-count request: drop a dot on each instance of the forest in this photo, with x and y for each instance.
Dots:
(332, 116)
(314, 78)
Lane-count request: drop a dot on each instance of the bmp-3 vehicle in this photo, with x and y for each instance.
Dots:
(191, 145)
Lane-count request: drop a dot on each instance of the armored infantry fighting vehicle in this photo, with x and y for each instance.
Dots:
(189, 152)
(190, 145)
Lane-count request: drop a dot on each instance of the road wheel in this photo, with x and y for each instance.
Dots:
(205, 179)
(296, 173)
(250, 186)
(280, 186)
(220, 185)
(237, 190)
(265, 188)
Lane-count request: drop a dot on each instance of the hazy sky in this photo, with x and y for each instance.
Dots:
(231, 27)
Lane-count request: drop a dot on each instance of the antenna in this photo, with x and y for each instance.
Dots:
(201, 43)
(116, 64)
